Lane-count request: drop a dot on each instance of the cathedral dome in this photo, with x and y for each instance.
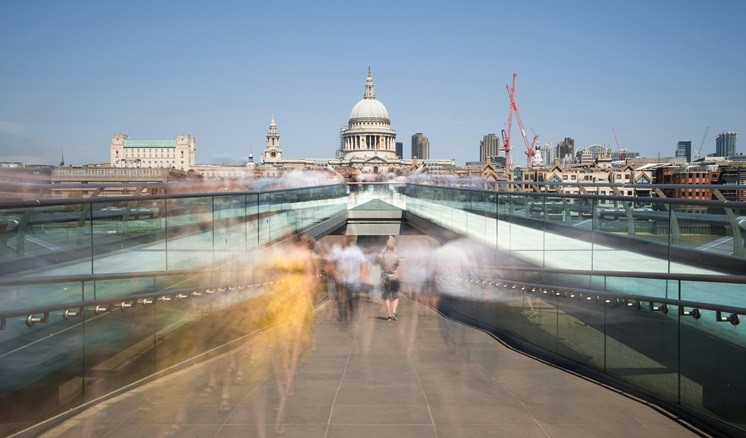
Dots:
(369, 135)
(369, 109)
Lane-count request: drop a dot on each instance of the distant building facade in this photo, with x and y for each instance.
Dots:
(489, 147)
(400, 149)
(593, 153)
(725, 144)
(420, 147)
(179, 153)
(600, 174)
(566, 150)
(684, 150)
(735, 175)
(140, 181)
(692, 176)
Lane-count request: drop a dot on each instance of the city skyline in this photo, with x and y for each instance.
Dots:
(75, 74)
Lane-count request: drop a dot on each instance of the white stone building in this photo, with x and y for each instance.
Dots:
(179, 153)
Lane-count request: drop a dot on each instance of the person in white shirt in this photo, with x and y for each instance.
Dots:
(389, 260)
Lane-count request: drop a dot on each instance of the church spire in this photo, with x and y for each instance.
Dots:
(369, 94)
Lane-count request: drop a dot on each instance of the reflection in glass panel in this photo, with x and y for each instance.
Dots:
(123, 235)
(642, 348)
(230, 228)
(712, 377)
(504, 211)
(567, 234)
(526, 231)
(581, 330)
(20, 296)
(122, 287)
(37, 240)
(716, 292)
(541, 318)
(252, 222)
(189, 230)
(32, 357)
(119, 347)
(476, 218)
(649, 287)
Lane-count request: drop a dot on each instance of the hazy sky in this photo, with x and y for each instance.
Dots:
(72, 73)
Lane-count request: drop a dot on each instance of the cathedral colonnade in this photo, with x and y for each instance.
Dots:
(370, 142)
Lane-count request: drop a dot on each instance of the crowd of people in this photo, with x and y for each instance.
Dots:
(301, 272)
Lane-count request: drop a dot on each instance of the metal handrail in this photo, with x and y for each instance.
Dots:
(24, 281)
(140, 298)
(109, 199)
(589, 196)
(583, 293)
(711, 278)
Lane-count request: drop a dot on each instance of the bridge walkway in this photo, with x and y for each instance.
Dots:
(420, 376)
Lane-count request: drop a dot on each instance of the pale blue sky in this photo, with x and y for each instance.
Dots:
(74, 73)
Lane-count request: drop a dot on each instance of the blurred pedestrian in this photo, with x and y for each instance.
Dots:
(389, 260)
(350, 269)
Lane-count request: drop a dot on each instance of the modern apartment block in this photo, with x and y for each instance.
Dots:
(725, 144)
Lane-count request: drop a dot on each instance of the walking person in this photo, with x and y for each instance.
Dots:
(349, 270)
(389, 260)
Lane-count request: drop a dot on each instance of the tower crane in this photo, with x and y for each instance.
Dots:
(506, 134)
(514, 109)
(618, 149)
(696, 153)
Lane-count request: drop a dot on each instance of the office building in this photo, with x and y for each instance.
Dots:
(420, 146)
(399, 149)
(684, 150)
(725, 144)
(489, 147)
(566, 150)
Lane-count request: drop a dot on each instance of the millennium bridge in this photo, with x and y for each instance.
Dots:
(522, 313)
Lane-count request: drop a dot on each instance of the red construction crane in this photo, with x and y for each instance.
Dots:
(618, 149)
(506, 135)
(514, 109)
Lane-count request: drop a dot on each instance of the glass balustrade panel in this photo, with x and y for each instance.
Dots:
(190, 234)
(128, 236)
(642, 348)
(580, 329)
